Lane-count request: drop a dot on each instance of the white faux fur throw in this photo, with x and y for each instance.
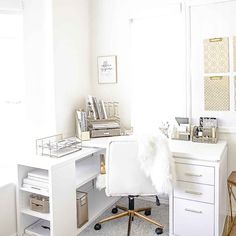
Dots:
(156, 161)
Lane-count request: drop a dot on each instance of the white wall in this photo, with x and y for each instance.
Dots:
(57, 72)
(38, 53)
(8, 210)
(71, 38)
(111, 35)
(216, 20)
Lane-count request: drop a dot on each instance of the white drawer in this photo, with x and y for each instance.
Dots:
(193, 218)
(195, 173)
(196, 192)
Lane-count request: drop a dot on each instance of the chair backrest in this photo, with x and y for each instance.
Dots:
(124, 174)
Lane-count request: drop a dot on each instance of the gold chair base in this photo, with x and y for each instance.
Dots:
(131, 214)
(230, 223)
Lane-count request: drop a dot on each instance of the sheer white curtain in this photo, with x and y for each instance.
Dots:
(11, 89)
(159, 82)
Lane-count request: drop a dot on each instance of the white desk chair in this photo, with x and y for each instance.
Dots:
(124, 177)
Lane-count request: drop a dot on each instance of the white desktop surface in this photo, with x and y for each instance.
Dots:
(180, 149)
(46, 162)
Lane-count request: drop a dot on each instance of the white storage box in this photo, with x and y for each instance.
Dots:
(39, 228)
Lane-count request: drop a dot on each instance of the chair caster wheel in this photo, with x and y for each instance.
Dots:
(97, 226)
(114, 210)
(159, 231)
(147, 212)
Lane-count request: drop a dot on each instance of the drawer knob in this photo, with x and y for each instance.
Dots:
(193, 192)
(194, 211)
(194, 175)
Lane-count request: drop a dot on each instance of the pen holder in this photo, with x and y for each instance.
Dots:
(83, 135)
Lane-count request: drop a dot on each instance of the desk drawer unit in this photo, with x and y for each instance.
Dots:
(193, 218)
(195, 173)
(195, 192)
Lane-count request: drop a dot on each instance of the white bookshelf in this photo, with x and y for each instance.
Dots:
(66, 175)
(29, 190)
(94, 209)
(44, 216)
(86, 170)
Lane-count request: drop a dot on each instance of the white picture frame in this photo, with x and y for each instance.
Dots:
(107, 71)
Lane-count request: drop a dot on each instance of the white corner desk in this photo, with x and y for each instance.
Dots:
(197, 204)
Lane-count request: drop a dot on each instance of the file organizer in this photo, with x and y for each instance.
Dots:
(216, 55)
(235, 93)
(234, 48)
(216, 91)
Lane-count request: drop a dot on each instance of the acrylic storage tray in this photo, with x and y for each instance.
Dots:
(56, 146)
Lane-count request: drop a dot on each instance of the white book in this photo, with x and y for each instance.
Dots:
(96, 107)
(39, 173)
(35, 183)
(103, 109)
(29, 186)
(91, 103)
(38, 179)
(39, 228)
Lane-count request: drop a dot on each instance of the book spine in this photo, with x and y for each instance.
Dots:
(38, 179)
(91, 104)
(35, 187)
(38, 176)
(35, 183)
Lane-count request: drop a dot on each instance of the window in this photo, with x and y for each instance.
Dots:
(11, 87)
(159, 81)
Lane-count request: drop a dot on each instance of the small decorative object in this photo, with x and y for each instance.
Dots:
(102, 164)
(107, 69)
(164, 128)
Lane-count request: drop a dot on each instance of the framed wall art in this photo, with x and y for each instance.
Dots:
(107, 69)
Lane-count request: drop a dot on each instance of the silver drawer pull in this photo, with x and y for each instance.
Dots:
(193, 192)
(194, 175)
(194, 211)
(106, 133)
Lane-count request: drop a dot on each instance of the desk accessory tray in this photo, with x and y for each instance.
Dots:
(208, 135)
(104, 128)
(56, 146)
(207, 131)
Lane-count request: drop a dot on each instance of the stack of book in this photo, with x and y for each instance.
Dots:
(39, 228)
(37, 179)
